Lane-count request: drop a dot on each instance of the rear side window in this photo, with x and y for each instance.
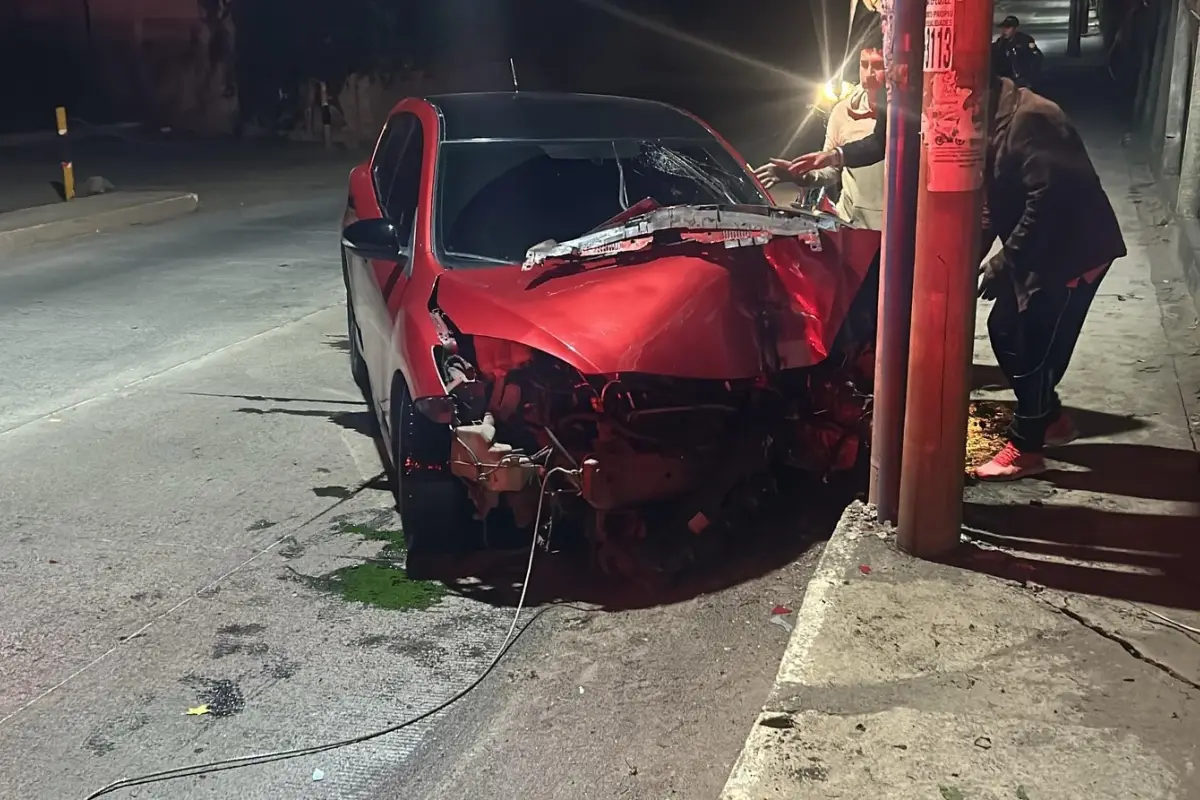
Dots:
(397, 171)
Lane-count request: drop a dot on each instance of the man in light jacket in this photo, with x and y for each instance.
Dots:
(852, 118)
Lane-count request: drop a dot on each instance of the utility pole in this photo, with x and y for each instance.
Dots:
(87, 24)
(955, 111)
(905, 48)
(1078, 9)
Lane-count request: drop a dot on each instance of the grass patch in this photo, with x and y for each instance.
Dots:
(378, 584)
(385, 587)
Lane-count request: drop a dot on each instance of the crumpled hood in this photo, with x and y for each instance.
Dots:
(687, 312)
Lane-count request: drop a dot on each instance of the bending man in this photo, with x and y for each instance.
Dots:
(1060, 235)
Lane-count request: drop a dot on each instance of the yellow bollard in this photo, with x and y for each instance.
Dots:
(68, 169)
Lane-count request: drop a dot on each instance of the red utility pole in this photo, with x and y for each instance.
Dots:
(954, 125)
(903, 58)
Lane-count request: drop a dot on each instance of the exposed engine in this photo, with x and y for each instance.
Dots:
(650, 465)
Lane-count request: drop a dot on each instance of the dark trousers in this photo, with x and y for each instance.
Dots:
(1034, 348)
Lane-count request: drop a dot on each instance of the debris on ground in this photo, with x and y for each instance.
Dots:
(197, 711)
(318, 775)
(987, 425)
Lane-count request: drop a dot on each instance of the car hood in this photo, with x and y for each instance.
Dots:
(715, 298)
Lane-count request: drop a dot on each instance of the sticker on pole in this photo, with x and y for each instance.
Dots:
(952, 130)
(939, 35)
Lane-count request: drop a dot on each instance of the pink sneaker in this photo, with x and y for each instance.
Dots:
(1061, 431)
(1010, 464)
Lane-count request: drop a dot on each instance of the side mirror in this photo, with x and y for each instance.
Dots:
(372, 239)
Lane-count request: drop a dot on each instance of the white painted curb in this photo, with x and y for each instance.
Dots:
(159, 209)
(796, 665)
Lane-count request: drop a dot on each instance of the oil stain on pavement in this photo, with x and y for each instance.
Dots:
(235, 639)
(221, 695)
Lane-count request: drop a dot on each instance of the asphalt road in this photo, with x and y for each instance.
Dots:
(187, 497)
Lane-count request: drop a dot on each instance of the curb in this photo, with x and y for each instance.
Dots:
(31, 138)
(796, 664)
(159, 209)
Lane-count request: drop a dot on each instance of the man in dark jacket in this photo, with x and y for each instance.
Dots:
(1060, 235)
(1016, 55)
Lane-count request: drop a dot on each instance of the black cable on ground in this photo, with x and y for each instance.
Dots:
(284, 755)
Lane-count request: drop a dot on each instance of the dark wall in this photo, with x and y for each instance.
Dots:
(702, 54)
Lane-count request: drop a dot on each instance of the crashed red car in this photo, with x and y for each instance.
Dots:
(585, 308)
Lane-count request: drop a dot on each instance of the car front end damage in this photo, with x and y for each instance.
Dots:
(651, 380)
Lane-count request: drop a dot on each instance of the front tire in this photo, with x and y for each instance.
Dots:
(358, 364)
(436, 514)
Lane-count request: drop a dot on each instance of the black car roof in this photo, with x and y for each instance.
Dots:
(543, 115)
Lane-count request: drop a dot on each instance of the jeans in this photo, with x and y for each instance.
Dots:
(1033, 349)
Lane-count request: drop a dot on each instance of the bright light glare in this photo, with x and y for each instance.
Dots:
(833, 91)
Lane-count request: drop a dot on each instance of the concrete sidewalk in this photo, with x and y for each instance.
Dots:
(1057, 655)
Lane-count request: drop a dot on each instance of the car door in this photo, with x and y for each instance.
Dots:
(379, 285)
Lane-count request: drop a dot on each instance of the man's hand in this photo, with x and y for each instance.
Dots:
(990, 273)
(810, 162)
(780, 169)
(772, 173)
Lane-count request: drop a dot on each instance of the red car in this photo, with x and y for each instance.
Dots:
(585, 308)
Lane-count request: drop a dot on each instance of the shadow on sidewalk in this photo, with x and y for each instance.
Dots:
(1130, 470)
(1114, 547)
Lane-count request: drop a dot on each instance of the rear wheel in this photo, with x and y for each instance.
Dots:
(436, 514)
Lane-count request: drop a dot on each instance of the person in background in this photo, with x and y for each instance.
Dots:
(852, 118)
(1060, 235)
(1016, 55)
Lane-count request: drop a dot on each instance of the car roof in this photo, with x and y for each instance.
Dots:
(544, 115)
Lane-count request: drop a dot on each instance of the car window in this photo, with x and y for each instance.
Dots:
(398, 171)
(387, 154)
(497, 199)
